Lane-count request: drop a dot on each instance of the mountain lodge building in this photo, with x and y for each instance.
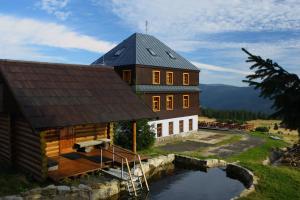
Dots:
(164, 80)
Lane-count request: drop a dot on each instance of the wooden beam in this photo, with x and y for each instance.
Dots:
(134, 136)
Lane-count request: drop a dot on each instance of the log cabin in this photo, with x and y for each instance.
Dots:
(163, 79)
(50, 113)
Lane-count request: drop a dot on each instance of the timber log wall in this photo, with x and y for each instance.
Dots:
(27, 149)
(81, 133)
(5, 139)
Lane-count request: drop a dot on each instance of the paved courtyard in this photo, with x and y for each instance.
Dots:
(212, 143)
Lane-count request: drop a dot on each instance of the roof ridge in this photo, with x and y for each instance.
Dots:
(53, 64)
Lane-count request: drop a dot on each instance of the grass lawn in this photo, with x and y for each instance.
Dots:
(282, 183)
(275, 182)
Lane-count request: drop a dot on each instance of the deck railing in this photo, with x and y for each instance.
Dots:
(134, 162)
(122, 166)
(124, 160)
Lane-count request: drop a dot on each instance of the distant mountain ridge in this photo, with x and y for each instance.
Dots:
(227, 97)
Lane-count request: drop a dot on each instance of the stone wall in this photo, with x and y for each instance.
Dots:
(243, 175)
(109, 188)
(198, 163)
(93, 189)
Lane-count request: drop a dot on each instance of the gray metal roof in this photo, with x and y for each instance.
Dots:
(138, 48)
(165, 88)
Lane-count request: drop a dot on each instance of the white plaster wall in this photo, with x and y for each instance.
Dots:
(165, 124)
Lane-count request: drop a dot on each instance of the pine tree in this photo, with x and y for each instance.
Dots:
(275, 83)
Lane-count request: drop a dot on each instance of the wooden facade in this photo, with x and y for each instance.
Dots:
(62, 140)
(178, 109)
(27, 149)
(5, 138)
(142, 75)
(49, 110)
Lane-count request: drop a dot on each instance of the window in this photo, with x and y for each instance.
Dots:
(155, 77)
(186, 101)
(169, 102)
(180, 126)
(159, 130)
(170, 55)
(151, 52)
(190, 124)
(126, 75)
(171, 129)
(156, 103)
(119, 52)
(186, 79)
(169, 78)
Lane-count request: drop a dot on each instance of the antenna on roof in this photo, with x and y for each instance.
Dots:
(103, 60)
(146, 26)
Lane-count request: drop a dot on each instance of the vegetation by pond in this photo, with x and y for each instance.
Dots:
(275, 182)
(13, 182)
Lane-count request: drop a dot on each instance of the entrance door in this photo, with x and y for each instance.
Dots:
(66, 140)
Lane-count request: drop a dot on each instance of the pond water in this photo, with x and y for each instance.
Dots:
(187, 184)
(195, 184)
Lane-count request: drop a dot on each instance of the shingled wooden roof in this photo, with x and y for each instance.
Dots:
(58, 95)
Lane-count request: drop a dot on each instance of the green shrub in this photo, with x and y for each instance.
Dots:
(262, 129)
(275, 126)
(145, 135)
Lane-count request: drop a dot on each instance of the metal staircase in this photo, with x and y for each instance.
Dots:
(134, 182)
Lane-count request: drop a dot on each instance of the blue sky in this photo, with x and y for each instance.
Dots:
(208, 33)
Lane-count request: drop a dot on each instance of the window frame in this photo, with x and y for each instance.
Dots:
(181, 128)
(171, 131)
(153, 105)
(161, 129)
(153, 77)
(123, 72)
(167, 78)
(191, 124)
(183, 78)
(183, 101)
(167, 108)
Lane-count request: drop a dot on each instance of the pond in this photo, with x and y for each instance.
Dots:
(180, 183)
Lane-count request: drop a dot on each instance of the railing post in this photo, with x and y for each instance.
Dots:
(122, 169)
(143, 172)
(113, 154)
(134, 162)
(101, 156)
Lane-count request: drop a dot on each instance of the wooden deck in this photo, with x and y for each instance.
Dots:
(75, 164)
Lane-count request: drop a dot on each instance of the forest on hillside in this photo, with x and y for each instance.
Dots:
(238, 116)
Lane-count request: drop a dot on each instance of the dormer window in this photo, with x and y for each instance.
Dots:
(119, 52)
(151, 52)
(170, 55)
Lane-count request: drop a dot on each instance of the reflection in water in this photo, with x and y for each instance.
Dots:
(188, 184)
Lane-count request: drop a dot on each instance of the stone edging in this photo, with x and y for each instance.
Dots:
(233, 170)
(105, 190)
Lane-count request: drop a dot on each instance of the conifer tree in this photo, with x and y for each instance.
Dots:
(277, 84)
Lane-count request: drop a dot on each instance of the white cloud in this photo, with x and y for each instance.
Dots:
(220, 69)
(189, 18)
(187, 25)
(18, 36)
(55, 7)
